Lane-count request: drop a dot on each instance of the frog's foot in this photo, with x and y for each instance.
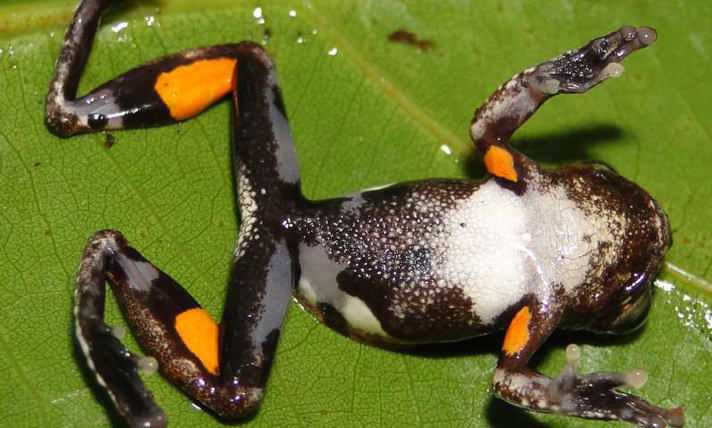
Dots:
(592, 396)
(579, 70)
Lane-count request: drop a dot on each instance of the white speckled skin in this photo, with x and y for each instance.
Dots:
(443, 260)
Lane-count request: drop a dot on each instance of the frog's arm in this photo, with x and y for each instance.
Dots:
(590, 396)
(223, 366)
(575, 71)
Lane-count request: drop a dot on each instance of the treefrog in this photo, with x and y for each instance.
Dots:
(524, 250)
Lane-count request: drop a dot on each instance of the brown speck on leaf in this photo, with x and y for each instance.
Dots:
(37, 164)
(47, 232)
(686, 240)
(403, 36)
(109, 142)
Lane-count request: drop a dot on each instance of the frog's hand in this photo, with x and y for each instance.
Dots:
(575, 71)
(160, 92)
(586, 396)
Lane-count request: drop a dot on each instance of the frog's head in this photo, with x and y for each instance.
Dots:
(619, 296)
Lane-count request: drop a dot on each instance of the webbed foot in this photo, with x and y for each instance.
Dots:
(579, 70)
(592, 396)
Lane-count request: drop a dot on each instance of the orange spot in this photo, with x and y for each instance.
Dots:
(500, 162)
(200, 334)
(518, 332)
(189, 89)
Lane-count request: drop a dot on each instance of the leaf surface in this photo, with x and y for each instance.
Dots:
(364, 112)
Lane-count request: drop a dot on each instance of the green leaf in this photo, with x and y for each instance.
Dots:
(365, 111)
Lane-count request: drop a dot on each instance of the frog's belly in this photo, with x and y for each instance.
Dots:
(454, 275)
(448, 283)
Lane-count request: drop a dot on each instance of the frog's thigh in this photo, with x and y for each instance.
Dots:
(319, 289)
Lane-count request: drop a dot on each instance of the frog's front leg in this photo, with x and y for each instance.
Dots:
(575, 71)
(590, 396)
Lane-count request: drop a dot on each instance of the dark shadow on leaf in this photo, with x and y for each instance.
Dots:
(554, 149)
(484, 345)
(501, 414)
(562, 338)
(567, 147)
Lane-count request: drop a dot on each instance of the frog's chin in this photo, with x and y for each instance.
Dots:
(630, 313)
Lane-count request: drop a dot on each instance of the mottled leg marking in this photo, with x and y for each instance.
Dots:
(589, 396)
(579, 70)
(575, 71)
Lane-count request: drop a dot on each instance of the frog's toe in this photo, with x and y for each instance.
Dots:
(593, 396)
(579, 70)
(614, 47)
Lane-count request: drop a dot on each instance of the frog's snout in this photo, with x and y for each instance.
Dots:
(668, 230)
(663, 226)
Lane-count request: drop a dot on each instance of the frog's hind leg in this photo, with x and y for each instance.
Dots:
(590, 396)
(226, 367)
(575, 71)
(160, 92)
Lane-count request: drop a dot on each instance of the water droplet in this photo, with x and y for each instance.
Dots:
(445, 148)
(300, 39)
(292, 13)
(120, 26)
(150, 20)
(333, 51)
(664, 285)
(148, 365)
(315, 32)
(257, 14)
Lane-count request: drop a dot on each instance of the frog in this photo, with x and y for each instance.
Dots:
(524, 250)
